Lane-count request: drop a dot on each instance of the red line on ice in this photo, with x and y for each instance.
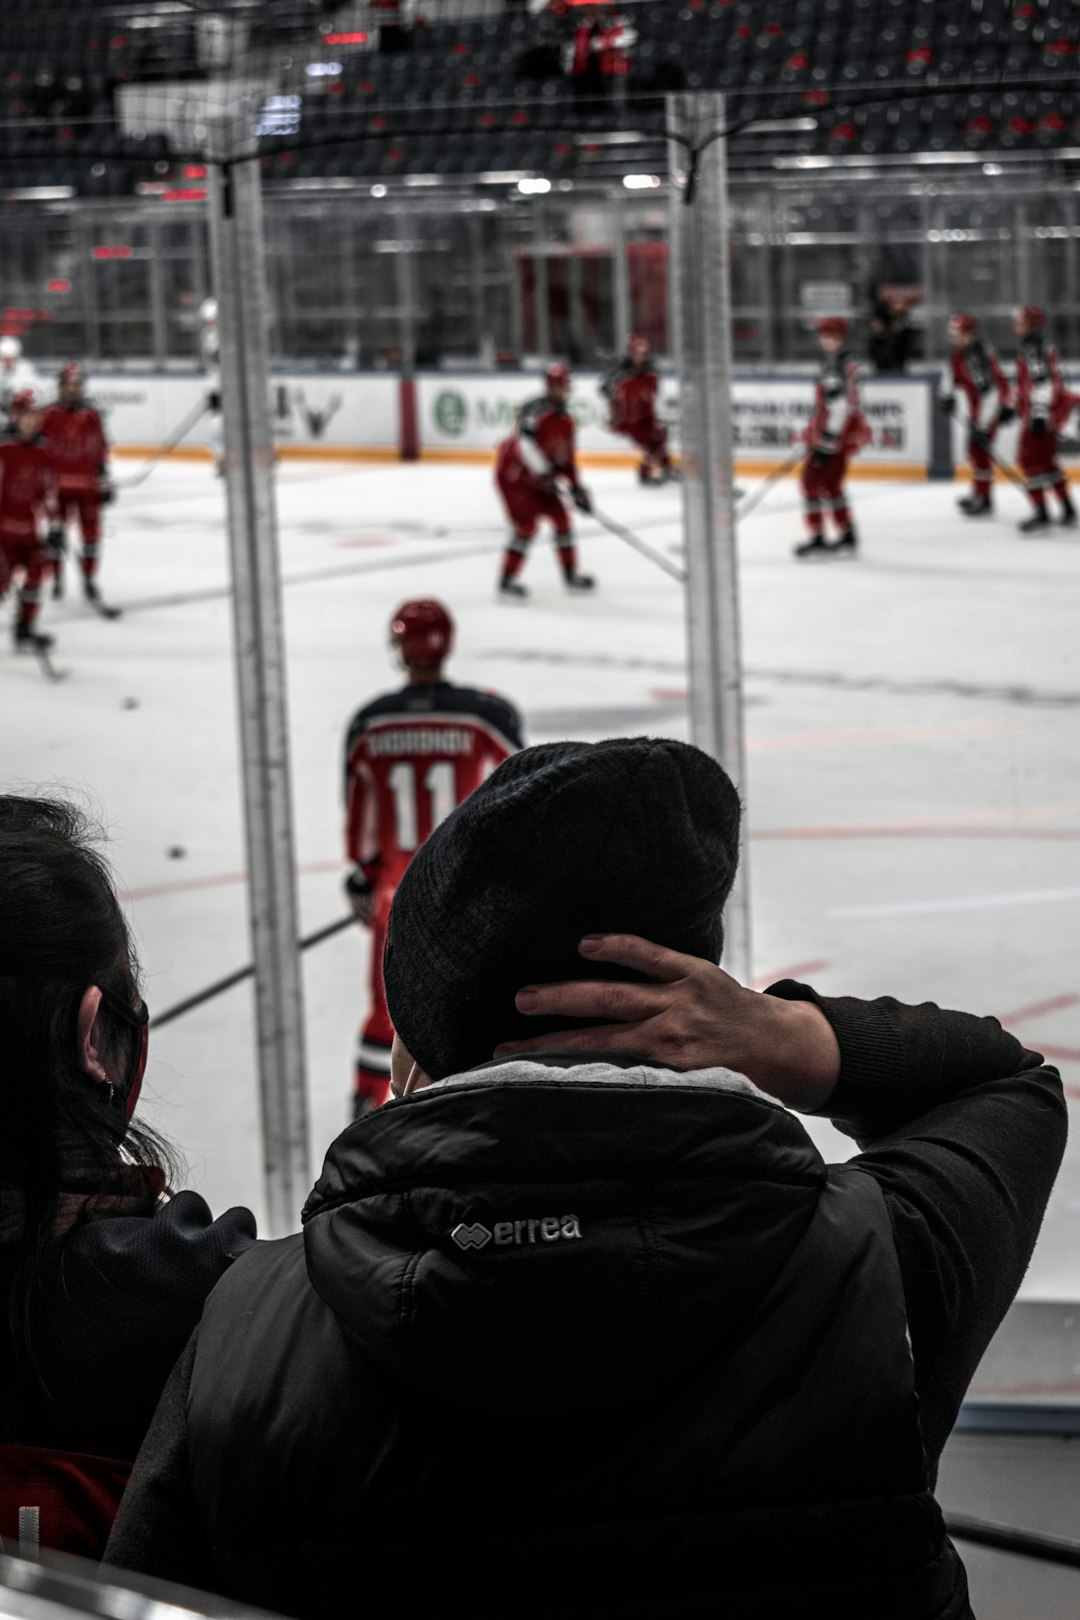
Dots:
(794, 972)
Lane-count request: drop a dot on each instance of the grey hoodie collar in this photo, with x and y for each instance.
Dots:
(518, 1071)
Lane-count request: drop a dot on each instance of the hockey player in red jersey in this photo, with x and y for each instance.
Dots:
(975, 373)
(1044, 405)
(528, 468)
(411, 756)
(631, 394)
(836, 432)
(28, 507)
(76, 436)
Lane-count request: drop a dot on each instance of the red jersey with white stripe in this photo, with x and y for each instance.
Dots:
(78, 442)
(27, 487)
(1040, 387)
(410, 758)
(837, 424)
(541, 448)
(976, 373)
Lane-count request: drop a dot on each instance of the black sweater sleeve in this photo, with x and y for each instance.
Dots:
(157, 1530)
(964, 1130)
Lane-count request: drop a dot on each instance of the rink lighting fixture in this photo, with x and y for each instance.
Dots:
(504, 177)
(38, 194)
(324, 70)
(779, 126)
(425, 179)
(534, 188)
(378, 191)
(902, 160)
(345, 39)
(641, 182)
(610, 137)
(993, 168)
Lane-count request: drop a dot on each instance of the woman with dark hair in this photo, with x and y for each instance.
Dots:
(103, 1270)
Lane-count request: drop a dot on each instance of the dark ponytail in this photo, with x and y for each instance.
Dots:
(63, 1144)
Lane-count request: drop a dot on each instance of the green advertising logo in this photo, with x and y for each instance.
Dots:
(451, 412)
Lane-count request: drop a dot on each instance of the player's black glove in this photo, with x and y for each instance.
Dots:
(361, 895)
(1038, 425)
(54, 542)
(979, 438)
(213, 401)
(947, 403)
(1006, 414)
(819, 455)
(582, 498)
(105, 491)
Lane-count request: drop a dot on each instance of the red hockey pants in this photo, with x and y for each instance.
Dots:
(823, 491)
(23, 554)
(981, 463)
(526, 505)
(85, 506)
(1040, 466)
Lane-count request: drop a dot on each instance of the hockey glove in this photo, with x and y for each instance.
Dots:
(947, 403)
(105, 491)
(1006, 414)
(54, 542)
(213, 401)
(361, 896)
(582, 498)
(1038, 425)
(819, 455)
(979, 438)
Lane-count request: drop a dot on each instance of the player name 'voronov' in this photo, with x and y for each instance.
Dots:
(504, 1234)
(444, 740)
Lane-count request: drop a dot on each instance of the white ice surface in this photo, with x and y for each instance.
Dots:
(914, 751)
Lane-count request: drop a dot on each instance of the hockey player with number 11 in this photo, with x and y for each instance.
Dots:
(411, 757)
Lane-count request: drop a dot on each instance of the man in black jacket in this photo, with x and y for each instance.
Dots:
(592, 1330)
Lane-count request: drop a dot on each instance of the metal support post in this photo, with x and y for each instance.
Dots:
(406, 292)
(620, 284)
(236, 236)
(699, 230)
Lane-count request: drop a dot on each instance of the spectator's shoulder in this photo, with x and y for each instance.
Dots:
(180, 1250)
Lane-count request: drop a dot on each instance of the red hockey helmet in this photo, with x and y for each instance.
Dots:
(558, 376)
(832, 326)
(24, 400)
(422, 632)
(1033, 317)
(962, 325)
(638, 346)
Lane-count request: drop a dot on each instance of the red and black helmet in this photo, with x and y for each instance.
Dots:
(637, 345)
(558, 376)
(1033, 317)
(422, 632)
(962, 325)
(832, 326)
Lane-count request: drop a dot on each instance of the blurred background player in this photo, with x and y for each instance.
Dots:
(837, 431)
(76, 437)
(631, 394)
(16, 374)
(29, 507)
(974, 371)
(528, 468)
(1044, 405)
(411, 756)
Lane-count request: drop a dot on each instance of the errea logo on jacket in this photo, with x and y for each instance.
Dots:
(517, 1234)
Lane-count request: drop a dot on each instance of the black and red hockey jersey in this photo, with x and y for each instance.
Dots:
(542, 446)
(631, 392)
(77, 439)
(837, 425)
(411, 757)
(1040, 386)
(28, 488)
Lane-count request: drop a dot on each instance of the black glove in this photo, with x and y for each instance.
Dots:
(819, 456)
(213, 401)
(980, 438)
(582, 498)
(105, 491)
(54, 542)
(1007, 413)
(361, 895)
(947, 402)
(1038, 425)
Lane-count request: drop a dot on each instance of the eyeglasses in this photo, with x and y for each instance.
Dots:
(138, 1021)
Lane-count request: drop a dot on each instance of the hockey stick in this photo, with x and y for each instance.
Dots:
(756, 496)
(639, 545)
(240, 974)
(170, 444)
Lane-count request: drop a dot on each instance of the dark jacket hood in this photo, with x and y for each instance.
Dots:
(578, 1232)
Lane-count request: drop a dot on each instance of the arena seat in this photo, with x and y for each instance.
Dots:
(60, 1500)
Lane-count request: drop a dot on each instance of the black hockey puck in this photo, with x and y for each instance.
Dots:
(176, 852)
(129, 703)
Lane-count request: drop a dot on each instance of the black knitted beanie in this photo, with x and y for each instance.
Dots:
(637, 835)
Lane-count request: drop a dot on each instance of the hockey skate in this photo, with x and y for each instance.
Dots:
(58, 585)
(975, 506)
(813, 548)
(1037, 523)
(845, 545)
(1067, 520)
(579, 582)
(93, 596)
(511, 588)
(27, 639)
